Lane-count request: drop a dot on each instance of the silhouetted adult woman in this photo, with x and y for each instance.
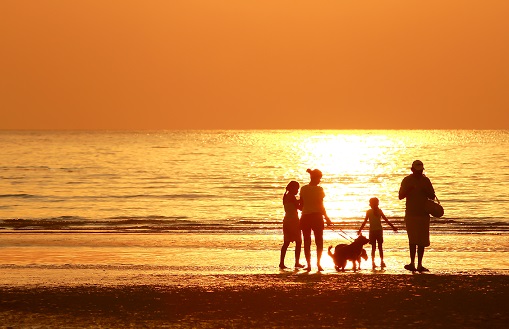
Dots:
(313, 214)
(416, 188)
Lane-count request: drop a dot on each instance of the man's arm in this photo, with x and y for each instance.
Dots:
(431, 191)
(404, 189)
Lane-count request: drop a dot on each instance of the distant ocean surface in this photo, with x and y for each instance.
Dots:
(123, 207)
(226, 181)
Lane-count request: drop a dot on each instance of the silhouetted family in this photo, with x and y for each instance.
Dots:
(416, 188)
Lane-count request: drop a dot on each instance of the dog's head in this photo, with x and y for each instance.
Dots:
(361, 239)
(364, 254)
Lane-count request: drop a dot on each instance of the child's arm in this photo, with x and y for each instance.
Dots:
(390, 224)
(363, 223)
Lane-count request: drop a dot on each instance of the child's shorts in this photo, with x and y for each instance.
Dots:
(376, 236)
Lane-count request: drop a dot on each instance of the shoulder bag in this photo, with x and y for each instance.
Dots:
(434, 208)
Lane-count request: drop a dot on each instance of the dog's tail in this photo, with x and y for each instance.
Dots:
(329, 252)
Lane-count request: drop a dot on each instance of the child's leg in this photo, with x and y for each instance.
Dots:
(298, 246)
(381, 252)
(283, 254)
(373, 249)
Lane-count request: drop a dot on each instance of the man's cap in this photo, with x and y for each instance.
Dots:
(417, 165)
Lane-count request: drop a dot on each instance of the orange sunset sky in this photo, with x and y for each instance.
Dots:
(254, 64)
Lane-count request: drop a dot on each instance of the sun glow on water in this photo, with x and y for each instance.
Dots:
(356, 167)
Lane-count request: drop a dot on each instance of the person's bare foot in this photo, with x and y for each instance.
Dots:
(282, 267)
(382, 265)
(298, 265)
(320, 268)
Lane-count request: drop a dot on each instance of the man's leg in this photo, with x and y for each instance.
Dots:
(420, 255)
(411, 266)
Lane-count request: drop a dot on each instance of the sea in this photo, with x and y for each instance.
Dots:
(210, 202)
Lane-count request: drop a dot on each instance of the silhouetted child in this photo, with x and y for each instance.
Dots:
(374, 216)
(291, 226)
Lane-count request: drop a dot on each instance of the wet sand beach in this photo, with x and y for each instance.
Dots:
(286, 300)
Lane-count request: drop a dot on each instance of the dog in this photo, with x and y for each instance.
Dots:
(348, 252)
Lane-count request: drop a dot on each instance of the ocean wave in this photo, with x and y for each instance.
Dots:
(161, 224)
(254, 187)
(161, 196)
(19, 195)
(39, 168)
(60, 198)
(147, 196)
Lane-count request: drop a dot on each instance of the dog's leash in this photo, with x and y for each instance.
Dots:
(342, 234)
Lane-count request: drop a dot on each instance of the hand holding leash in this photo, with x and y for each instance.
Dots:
(327, 219)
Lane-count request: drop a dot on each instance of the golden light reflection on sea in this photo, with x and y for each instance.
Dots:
(356, 167)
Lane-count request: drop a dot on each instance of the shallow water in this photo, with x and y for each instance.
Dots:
(103, 258)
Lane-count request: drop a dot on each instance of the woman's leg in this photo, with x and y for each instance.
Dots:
(319, 248)
(306, 234)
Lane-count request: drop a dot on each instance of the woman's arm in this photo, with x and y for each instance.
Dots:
(322, 207)
(324, 212)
